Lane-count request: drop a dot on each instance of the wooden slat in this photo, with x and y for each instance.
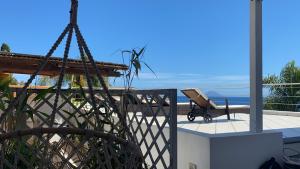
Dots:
(27, 64)
(198, 97)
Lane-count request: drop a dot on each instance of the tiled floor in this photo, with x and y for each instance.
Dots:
(289, 125)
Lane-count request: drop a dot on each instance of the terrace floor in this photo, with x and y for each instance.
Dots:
(289, 125)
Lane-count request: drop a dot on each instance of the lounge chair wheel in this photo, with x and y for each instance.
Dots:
(191, 116)
(207, 118)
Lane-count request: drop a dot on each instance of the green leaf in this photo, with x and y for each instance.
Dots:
(82, 91)
(126, 51)
(82, 125)
(2, 105)
(69, 113)
(149, 68)
(30, 114)
(85, 114)
(5, 89)
(137, 66)
(141, 51)
(21, 106)
(135, 54)
(42, 94)
(44, 114)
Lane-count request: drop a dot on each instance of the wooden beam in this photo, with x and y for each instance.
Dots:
(27, 64)
(3, 75)
(51, 70)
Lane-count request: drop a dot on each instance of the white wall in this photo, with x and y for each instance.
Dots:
(222, 151)
(227, 151)
(245, 151)
(192, 148)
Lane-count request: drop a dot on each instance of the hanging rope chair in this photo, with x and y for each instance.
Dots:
(96, 138)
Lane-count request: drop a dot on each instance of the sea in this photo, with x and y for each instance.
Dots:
(221, 100)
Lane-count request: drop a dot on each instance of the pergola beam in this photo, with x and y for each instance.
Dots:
(256, 84)
(27, 64)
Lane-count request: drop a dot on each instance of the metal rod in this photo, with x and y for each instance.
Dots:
(256, 97)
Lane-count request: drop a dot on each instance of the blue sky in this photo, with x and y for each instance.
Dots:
(193, 43)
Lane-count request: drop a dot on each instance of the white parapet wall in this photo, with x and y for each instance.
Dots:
(246, 151)
(193, 149)
(222, 151)
(198, 150)
(227, 151)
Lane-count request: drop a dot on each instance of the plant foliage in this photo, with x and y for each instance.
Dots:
(135, 62)
(5, 48)
(283, 96)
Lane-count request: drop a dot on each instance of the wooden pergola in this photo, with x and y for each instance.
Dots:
(27, 64)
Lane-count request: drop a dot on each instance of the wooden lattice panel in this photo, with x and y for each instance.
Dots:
(67, 149)
(40, 128)
(152, 117)
(74, 110)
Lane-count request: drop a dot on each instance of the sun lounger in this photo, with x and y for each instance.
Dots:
(202, 106)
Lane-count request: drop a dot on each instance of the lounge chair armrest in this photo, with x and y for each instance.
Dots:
(227, 109)
(191, 104)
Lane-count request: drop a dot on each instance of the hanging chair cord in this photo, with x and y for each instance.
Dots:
(32, 77)
(73, 20)
(84, 51)
(61, 76)
(88, 77)
(108, 97)
(82, 45)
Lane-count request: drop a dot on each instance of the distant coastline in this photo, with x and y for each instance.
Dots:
(221, 100)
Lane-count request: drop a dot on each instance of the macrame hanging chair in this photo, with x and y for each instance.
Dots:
(97, 137)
